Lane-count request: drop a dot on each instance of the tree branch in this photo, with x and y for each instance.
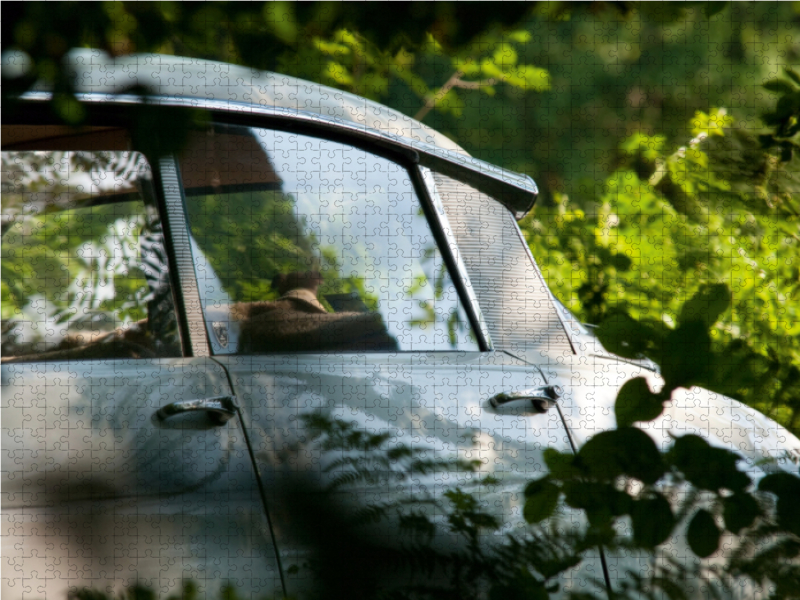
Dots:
(431, 101)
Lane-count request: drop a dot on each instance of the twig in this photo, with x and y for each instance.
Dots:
(454, 81)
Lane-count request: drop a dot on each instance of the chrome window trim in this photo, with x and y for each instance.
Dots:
(514, 190)
(178, 231)
(442, 223)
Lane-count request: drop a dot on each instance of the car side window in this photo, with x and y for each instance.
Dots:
(306, 244)
(85, 274)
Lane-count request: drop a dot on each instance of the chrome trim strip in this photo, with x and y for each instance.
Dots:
(184, 263)
(514, 190)
(474, 308)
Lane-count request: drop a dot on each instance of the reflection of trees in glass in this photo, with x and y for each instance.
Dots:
(249, 237)
(438, 308)
(66, 262)
(319, 205)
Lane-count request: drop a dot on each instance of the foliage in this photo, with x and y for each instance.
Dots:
(72, 257)
(692, 486)
(672, 223)
(263, 35)
(352, 63)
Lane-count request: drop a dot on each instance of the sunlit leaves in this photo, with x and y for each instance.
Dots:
(650, 146)
(711, 124)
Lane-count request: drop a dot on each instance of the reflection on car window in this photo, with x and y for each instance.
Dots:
(303, 244)
(84, 270)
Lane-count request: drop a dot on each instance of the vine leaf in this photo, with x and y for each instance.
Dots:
(635, 402)
(703, 534)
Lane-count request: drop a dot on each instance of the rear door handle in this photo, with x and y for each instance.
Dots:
(542, 397)
(221, 408)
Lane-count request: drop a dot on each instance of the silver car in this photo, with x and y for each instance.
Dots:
(171, 324)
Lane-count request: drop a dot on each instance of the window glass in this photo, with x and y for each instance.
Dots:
(304, 244)
(84, 273)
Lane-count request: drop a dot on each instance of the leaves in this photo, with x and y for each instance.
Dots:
(739, 511)
(711, 124)
(622, 335)
(652, 521)
(787, 488)
(625, 451)
(561, 465)
(707, 467)
(685, 355)
(703, 535)
(707, 305)
(779, 86)
(542, 499)
(635, 402)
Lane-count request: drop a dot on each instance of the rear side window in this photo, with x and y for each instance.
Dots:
(302, 244)
(84, 272)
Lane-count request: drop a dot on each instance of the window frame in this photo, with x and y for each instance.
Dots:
(432, 208)
(34, 114)
(105, 111)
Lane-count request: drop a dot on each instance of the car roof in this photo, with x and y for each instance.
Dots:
(96, 71)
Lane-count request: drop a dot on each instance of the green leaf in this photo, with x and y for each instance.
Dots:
(520, 36)
(542, 500)
(779, 86)
(562, 465)
(652, 521)
(505, 55)
(620, 262)
(626, 451)
(635, 402)
(714, 8)
(703, 534)
(591, 495)
(792, 74)
(280, 18)
(707, 305)
(528, 77)
(786, 151)
(739, 511)
(624, 336)
(707, 467)
(787, 488)
(686, 356)
(783, 485)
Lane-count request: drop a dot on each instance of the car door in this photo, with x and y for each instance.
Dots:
(332, 289)
(123, 460)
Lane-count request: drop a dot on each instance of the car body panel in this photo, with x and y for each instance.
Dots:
(432, 402)
(98, 491)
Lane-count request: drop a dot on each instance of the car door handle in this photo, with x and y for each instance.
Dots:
(221, 408)
(542, 397)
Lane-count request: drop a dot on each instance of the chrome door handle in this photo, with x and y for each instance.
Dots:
(542, 397)
(221, 408)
